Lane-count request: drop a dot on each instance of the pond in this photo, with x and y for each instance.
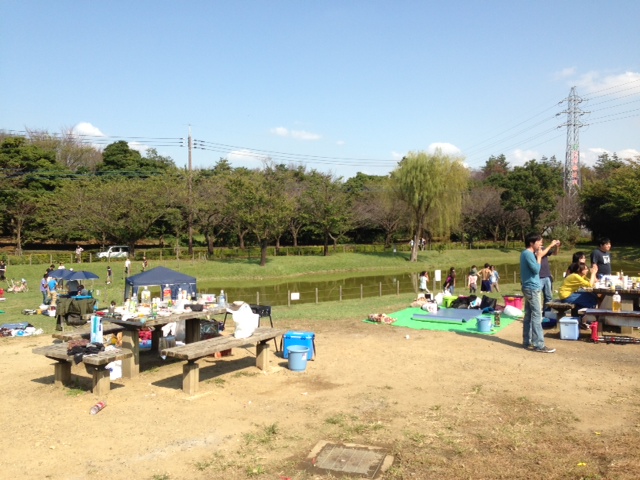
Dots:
(353, 286)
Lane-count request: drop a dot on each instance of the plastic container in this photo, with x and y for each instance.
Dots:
(569, 328)
(297, 356)
(514, 300)
(616, 302)
(222, 300)
(166, 293)
(303, 339)
(484, 323)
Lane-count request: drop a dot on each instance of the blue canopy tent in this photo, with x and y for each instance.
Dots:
(161, 276)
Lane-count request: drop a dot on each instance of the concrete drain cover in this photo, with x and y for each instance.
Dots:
(349, 459)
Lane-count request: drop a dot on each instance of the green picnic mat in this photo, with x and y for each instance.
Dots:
(403, 319)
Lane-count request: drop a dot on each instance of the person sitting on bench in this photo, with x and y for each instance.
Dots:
(570, 290)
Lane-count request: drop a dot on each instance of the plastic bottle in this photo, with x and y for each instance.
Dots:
(617, 302)
(222, 299)
(97, 407)
(146, 297)
(166, 293)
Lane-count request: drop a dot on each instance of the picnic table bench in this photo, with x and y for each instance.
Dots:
(85, 332)
(94, 364)
(626, 320)
(193, 352)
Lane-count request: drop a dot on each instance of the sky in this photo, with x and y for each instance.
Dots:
(340, 86)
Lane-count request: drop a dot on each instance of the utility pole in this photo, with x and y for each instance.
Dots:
(572, 178)
(190, 200)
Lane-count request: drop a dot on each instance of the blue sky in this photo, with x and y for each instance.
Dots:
(337, 85)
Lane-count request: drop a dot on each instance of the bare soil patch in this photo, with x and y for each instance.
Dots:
(445, 405)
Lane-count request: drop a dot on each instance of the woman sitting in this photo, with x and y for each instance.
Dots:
(577, 279)
(578, 257)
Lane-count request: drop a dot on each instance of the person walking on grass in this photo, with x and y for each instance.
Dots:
(530, 258)
(109, 275)
(495, 278)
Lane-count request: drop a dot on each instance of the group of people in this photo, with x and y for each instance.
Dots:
(537, 283)
(488, 276)
(50, 286)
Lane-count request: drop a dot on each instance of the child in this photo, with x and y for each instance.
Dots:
(472, 280)
(109, 274)
(424, 280)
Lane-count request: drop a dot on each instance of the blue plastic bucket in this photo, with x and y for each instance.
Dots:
(297, 358)
(484, 324)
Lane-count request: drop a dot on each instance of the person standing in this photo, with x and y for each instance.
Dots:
(495, 279)
(530, 258)
(472, 280)
(127, 267)
(44, 288)
(602, 258)
(109, 275)
(546, 279)
(79, 251)
(485, 278)
(145, 263)
(52, 285)
(450, 282)
(3, 270)
(424, 280)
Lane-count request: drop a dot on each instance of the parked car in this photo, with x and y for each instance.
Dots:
(116, 251)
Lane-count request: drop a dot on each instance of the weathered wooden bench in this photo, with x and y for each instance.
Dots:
(85, 332)
(193, 352)
(560, 307)
(94, 364)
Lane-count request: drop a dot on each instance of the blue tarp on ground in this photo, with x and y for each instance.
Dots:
(161, 276)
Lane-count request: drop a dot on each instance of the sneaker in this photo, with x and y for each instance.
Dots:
(545, 350)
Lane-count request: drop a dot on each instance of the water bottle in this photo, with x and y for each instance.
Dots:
(97, 407)
(222, 299)
(617, 302)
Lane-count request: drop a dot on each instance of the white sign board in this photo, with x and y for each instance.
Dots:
(295, 295)
(437, 275)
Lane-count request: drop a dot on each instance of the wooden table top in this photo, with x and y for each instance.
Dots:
(164, 319)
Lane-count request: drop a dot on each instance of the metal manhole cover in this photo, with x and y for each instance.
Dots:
(350, 459)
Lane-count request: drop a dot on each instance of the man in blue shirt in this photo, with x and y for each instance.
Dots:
(530, 258)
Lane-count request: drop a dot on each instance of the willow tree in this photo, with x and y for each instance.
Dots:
(432, 185)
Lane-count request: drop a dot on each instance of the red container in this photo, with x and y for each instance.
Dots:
(514, 301)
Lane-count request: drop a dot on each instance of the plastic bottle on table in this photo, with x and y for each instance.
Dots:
(617, 302)
(222, 299)
(97, 407)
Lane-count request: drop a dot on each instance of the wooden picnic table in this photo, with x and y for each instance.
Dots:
(132, 327)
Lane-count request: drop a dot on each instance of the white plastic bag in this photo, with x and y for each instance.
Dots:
(430, 307)
(511, 311)
(439, 299)
(246, 321)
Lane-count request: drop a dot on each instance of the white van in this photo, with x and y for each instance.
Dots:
(116, 251)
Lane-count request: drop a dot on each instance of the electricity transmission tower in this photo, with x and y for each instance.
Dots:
(572, 180)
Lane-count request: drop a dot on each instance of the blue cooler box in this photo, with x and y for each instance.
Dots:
(303, 339)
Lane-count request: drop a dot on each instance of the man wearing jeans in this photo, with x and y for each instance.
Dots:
(530, 258)
(546, 280)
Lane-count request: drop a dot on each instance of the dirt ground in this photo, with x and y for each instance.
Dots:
(369, 384)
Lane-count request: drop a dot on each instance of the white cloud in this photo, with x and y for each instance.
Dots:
(397, 156)
(280, 131)
(297, 134)
(622, 84)
(341, 143)
(590, 156)
(565, 73)
(139, 147)
(245, 158)
(520, 157)
(446, 148)
(85, 128)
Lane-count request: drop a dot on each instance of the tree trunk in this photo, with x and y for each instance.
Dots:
(325, 250)
(263, 252)
(210, 244)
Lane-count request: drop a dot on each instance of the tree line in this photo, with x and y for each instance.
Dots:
(56, 188)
